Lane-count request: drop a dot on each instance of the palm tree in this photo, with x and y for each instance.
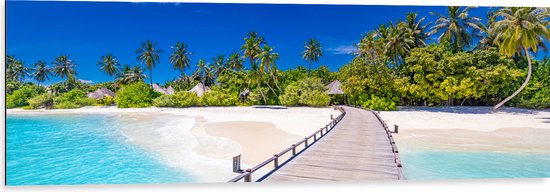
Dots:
(109, 65)
(219, 65)
(418, 31)
(64, 67)
(121, 76)
(456, 27)
(521, 30)
(234, 61)
(133, 74)
(180, 57)
(313, 51)
(252, 48)
(268, 60)
(149, 56)
(41, 72)
(399, 42)
(17, 70)
(204, 72)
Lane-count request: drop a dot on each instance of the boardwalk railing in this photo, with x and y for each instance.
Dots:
(247, 175)
(392, 142)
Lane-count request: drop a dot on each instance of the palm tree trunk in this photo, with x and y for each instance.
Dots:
(151, 73)
(274, 80)
(271, 88)
(495, 108)
(261, 92)
(309, 70)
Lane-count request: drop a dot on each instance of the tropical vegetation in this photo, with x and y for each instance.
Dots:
(456, 60)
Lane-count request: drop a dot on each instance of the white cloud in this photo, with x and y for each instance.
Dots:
(342, 50)
(86, 81)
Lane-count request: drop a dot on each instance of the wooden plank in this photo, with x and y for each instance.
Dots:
(358, 148)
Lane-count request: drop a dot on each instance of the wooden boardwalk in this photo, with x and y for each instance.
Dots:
(358, 148)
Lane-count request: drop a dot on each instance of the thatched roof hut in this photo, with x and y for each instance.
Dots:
(200, 89)
(170, 90)
(101, 93)
(335, 88)
(159, 89)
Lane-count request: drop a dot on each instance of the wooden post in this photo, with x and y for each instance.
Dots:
(395, 129)
(276, 161)
(306, 141)
(321, 132)
(248, 178)
(237, 164)
(293, 149)
(315, 137)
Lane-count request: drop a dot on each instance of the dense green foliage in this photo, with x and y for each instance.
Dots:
(180, 99)
(75, 98)
(45, 100)
(393, 65)
(135, 95)
(308, 92)
(19, 97)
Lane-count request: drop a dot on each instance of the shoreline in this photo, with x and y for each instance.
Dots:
(203, 140)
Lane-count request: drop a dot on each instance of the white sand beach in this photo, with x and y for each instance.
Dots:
(203, 140)
(470, 129)
(471, 118)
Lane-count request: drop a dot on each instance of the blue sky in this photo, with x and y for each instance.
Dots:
(87, 30)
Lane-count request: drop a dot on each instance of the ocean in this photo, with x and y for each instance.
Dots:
(66, 149)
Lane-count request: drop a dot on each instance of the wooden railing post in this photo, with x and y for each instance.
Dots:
(321, 132)
(248, 177)
(315, 137)
(395, 128)
(293, 149)
(276, 161)
(306, 141)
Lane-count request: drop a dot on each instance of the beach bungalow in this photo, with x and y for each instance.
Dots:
(101, 93)
(199, 89)
(334, 90)
(167, 91)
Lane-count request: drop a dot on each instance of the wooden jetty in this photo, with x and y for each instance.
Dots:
(357, 145)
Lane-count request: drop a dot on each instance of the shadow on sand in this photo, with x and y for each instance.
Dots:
(269, 107)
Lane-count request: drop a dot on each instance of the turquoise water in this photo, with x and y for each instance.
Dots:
(473, 165)
(54, 149)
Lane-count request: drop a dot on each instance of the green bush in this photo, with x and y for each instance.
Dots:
(218, 98)
(18, 98)
(378, 103)
(135, 95)
(308, 92)
(106, 101)
(315, 98)
(44, 100)
(187, 99)
(180, 99)
(75, 98)
(165, 101)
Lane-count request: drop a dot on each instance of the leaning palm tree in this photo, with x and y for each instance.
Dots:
(121, 76)
(521, 30)
(180, 57)
(313, 51)
(149, 56)
(64, 67)
(456, 27)
(41, 72)
(109, 65)
(267, 65)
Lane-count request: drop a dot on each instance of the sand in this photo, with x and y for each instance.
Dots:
(470, 129)
(203, 140)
